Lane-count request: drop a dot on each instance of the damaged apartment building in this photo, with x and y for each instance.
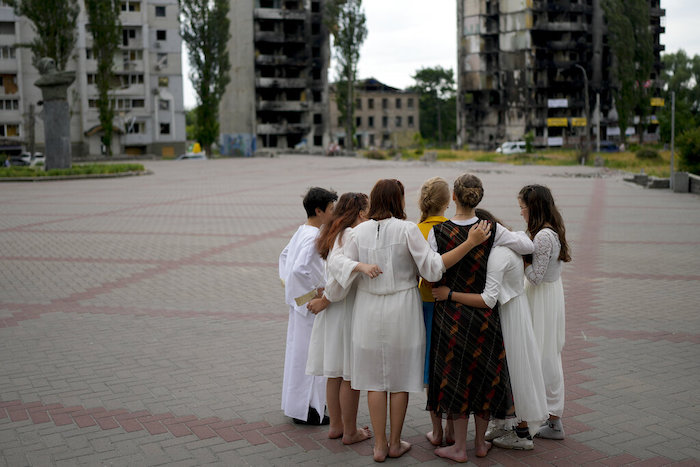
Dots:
(278, 94)
(520, 69)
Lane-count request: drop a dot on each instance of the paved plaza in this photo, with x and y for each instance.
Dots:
(142, 320)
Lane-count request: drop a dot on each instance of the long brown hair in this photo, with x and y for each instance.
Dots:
(344, 215)
(387, 200)
(543, 212)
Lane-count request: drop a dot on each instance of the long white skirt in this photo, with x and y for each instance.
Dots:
(524, 363)
(388, 342)
(331, 341)
(548, 322)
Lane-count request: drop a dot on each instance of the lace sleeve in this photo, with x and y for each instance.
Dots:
(544, 247)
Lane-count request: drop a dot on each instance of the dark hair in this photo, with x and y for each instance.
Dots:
(386, 200)
(318, 198)
(542, 212)
(345, 214)
(468, 190)
(485, 215)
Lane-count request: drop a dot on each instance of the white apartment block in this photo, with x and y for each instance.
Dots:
(150, 117)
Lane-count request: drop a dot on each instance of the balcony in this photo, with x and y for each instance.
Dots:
(563, 26)
(283, 60)
(278, 37)
(288, 83)
(282, 106)
(657, 12)
(282, 128)
(279, 13)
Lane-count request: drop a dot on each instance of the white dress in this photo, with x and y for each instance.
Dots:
(388, 333)
(330, 347)
(545, 294)
(301, 269)
(504, 284)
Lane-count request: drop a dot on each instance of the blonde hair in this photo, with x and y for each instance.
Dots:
(434, 197)
(468, 190)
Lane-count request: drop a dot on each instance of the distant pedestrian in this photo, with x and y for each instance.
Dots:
(546, 295)
(302, 271)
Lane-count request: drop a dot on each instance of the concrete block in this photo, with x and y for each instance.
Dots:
(656, 182)
(681, 182)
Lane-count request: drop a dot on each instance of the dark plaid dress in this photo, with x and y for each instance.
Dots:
(468, 369)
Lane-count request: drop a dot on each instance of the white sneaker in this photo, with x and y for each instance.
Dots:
(495, 431)
(513, 441)
(552, 429)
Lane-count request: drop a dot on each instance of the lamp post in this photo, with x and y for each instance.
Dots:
(586, 147)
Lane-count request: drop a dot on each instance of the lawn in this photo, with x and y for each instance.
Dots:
(77, 169)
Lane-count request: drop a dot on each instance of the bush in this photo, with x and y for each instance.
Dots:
(86, 169)
(689, 150)
(529, 138)
(374, 154)
(647, 154)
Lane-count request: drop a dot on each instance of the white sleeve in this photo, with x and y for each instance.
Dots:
(282, 266)
(308, 273)
(494, 279)
(519, 242)
(340, 270)
(429, 262)
(544, 247)
(432, 241)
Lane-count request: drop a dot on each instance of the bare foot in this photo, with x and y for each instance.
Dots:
(380, 453)
(449, 441)
(359, 435)
(450, 452)
(335, 433)
(482, 450)
(434, 440)
(400, 450)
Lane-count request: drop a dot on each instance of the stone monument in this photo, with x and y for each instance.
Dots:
(56, 114)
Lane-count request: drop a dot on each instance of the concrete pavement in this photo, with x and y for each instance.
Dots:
(142, 321)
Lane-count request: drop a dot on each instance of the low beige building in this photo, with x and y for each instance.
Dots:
(385, 117)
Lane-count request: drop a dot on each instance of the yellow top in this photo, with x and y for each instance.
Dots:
(425, 227)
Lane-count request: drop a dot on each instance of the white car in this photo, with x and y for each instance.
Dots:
(512, 147)
(37, 158)
(192, 156)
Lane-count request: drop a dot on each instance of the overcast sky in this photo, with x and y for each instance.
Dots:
(406, 35)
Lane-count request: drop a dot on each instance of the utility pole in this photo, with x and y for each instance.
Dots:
(597, 119)
(587, 147)
(30, 131)
(673, 132)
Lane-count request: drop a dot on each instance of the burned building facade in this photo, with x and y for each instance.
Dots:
(278, 94)
(521, 68)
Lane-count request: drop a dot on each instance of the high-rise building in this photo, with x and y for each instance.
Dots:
(278, 94)
(150, 116)
(523, 65)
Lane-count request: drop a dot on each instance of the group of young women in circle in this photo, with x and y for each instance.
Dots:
(483, 332)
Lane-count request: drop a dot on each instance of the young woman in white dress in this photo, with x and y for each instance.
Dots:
(545, 294)
(388, 333)
(329, 348)
(504, 285)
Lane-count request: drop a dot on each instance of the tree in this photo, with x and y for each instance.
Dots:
(437, 103)
(346, 21)
(55, 26)
(105, 28)
(682, 76)
(204, 26)
(633, 49)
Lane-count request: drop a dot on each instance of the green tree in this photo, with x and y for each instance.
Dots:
(346, 21)
(437, 103)
(632, 46)
(204, 26)
(682, 76)
(105, 27)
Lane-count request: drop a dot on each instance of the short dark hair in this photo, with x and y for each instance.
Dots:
(318, 198)
(386, 200)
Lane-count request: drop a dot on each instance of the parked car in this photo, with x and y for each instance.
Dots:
(37, 159)
(192, 156)
(512, 147)
(608, 146)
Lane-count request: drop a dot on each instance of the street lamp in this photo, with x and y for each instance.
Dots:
(586, 148)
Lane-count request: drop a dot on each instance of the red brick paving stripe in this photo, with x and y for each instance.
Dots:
(252, 426)
(61, 419)
(203, 432)
(10, 403)
(110, 413)
(130, 425)
(107, 423)
(155, 418)
(255, 438)
(203, 421)
(228, 434)
(39, 417)
(66, 410)
(17, 415)
(95, 411)
(154, 428)
(333, 445)
(226, 424)
(280, 440)
(45, 408)
(3, 413)
(179, 420)
(128, 416)
(30, 405)
(179, 430)
(277, 429)
(84, 421)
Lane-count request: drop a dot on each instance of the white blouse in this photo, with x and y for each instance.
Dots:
(519, 242)
(546, 265)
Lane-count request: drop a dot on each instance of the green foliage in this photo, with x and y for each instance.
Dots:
(438, 109)
(529, 138)
(86, 169)
(689, 149)
(632, 45)
(55, 26)
(204, 26)
(105, 28)
(682, 75)
(190, 123)
(346, 20)
(647, 153)
(375, 154)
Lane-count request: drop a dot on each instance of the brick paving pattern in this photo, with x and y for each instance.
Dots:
(142, 320)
